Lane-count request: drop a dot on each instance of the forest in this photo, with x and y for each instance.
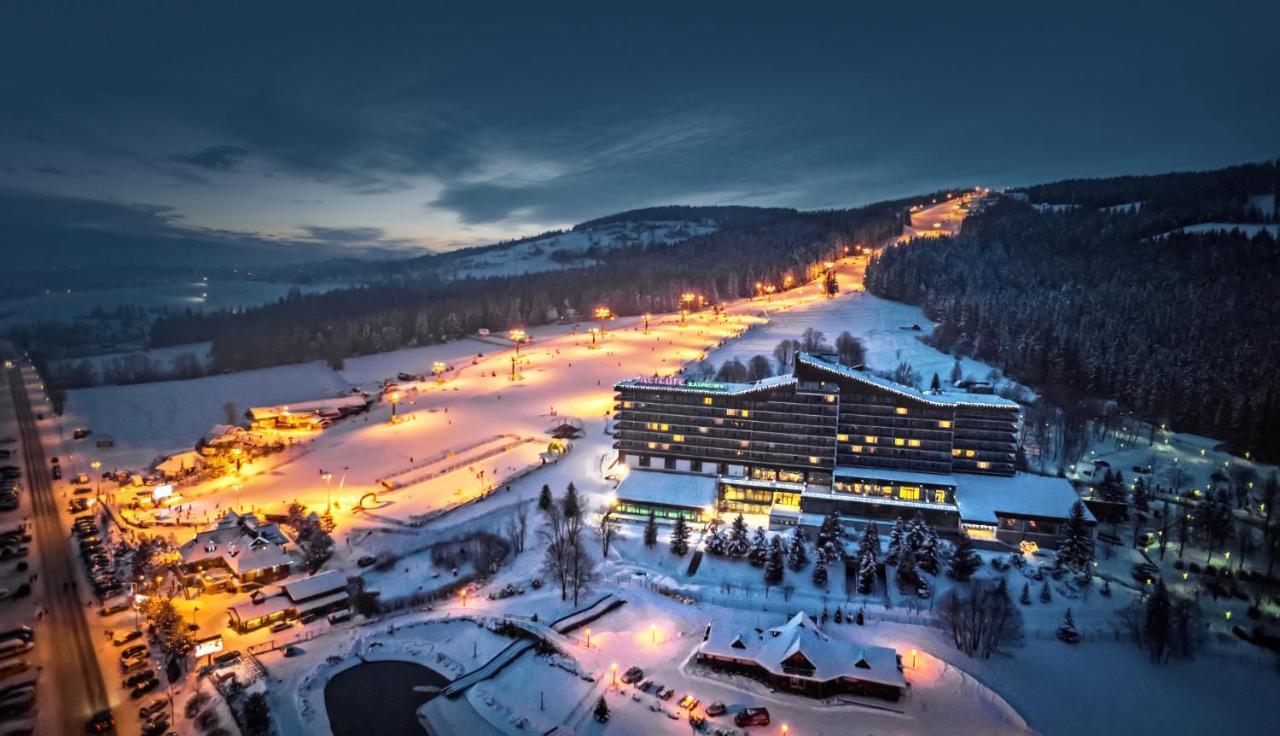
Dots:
(388, 315)
(1180, 329)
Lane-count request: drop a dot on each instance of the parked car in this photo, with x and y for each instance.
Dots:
(152, 708)
(136, 664)
(633, 674)
(292, 651)
(144, 687)
(751, 717)
(114, 608)
(134, 679)
(125, 637)
(80, 433)
(56, 473)
(133, 651)
(689, 701)
(716, 709)
(25, 633)
(280, 626)
(101, 722)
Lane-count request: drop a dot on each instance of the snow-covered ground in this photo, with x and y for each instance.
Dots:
(1247, 229)
(567, 249)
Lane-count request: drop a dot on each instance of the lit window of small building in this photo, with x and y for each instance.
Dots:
(909, 493)
(939, 496)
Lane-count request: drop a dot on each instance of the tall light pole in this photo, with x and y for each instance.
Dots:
(595, 334)
(603, 313)
(328, 488)
(646, 323)
(94, 466)
(517, 337)
(394, 398)
(686, 302)
(438, 369)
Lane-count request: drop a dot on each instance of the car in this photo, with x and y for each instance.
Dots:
(22, 591)
(137, 664)
(133, 651)
(135, 679)
(82, 491)
(751, 717)
(113, 609)
(25, 633)
(156, 726)
(292, 651)
(56, 473)
(633, 674)
(150, 709)
(102, 722)
(227, 657)
(76, 505)
(280, 626)
(144, 687)
(366, 561)
(80, 433)
(82, 478)
(124, 638)
(665, 693)
(339, 617)
(689, 701)
(716, 709)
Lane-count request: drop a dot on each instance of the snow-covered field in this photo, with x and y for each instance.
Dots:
(567, 250)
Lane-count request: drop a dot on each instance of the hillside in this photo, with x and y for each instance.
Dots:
(1082, 302)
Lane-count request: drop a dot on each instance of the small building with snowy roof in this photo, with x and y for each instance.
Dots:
(666, 495)
(797, 656)
(238, 550)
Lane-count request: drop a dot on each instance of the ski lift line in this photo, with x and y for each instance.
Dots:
(445, 455)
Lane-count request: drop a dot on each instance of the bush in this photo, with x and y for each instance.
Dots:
(208, 720)
(1177, 565)
(1226, 573)
(1210, 571)
(1193, 567)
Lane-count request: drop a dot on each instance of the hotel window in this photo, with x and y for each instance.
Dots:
(913, 443)
(842, 438)
(731, 412)
(706, 400)
(665, 446)
(944, 424)
(665, 427)
(969, 453)
(652, 445)
(813, 459)
(744, 443)
(643, 461)
(909, 493)
(900, 410)
(669, 463)
(939, 496)
(870, 440)
(983, 465)
(702, 430)
(746, 413)
(830, 399)
(955, 452)
(677, 438)
(899, 442)
(695, 466)
(651, 425)
(856, 448)
(627, 405)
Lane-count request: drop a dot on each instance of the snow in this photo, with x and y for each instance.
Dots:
(1247, 229)
(1051, 207)
(673, 489)
(1265, 204)
(319, 584)
(1124, 207)
(982, 497)
(937, 399)
(537, 255)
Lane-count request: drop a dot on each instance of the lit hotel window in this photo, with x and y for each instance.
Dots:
(702, 430)
(706, 400)
(944, 424)
(940, 496)
(627, 405)
(900, 410)
(665, 427)
(955, 452)
(969, 453)
(677, 438)
(830, 399)
(855, 448)
(913, 443)
(870, 440)
(653, 445)
(983, 465)
(909, 493)
(899, 442)
(731, 412)
(813, 459)
(746, 413)
(842, 438)
(744, 443)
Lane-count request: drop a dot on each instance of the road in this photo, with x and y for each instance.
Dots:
(72, 668)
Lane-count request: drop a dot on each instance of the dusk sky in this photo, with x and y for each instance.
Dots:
(437, 125)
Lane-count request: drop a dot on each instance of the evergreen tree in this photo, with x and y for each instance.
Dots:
(896, 540)
(738, 543)
(651, 530)
(544, 498)
(1025, 598)
(1075, 543)
(867, 571)
(1141, 496)
(1157, 615)
(1045, 595)
(956, 372)
(601, 712)
(870, 541)
(680, 537)
(1216, 520)
(927, 552)
(935, 385)
(759, 553)
(798, 552)
(1068, 626)
(830, 532)
(715, 542)
(773, 570)
(964, 562)
(820, 572)
(907, 576)
(570, 503)
(917, 530)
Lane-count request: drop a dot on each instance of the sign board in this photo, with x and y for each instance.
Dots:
(163, 491)
(679, 382)
(208, 645)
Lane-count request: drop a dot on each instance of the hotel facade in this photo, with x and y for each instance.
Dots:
(831, 438)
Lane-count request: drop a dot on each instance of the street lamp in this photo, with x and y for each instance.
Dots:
(588, 633)
(603, 313)
(394, 398)
(653, 633)
(595, 334)
(614, 669)
(915, 656)
(328, 487)
(517, 336)
(438, 369)
(646, 323)
(95, 465)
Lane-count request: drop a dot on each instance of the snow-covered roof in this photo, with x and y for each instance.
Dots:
(982, 498)
(241, 544)
(316, 585)
(896, 476)
(800, 643)
(350, 401)
(688, 490)
(247, 609)
(179, 462)
(719, 388)
(943, 399)
(318, 603)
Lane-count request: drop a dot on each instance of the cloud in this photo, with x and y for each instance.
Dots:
(213, 158)
(360, 237)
